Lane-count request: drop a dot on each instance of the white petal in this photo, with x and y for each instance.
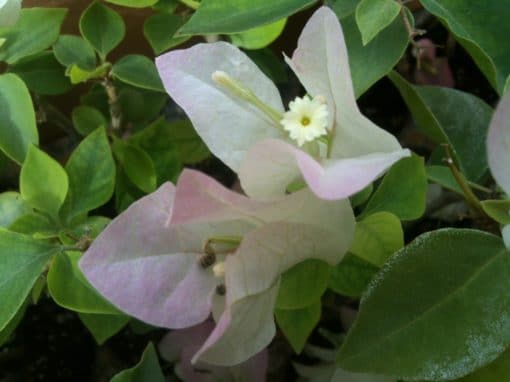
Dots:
(498, 144)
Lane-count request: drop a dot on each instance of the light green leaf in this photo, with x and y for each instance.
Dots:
(103, 326)
(43, 182)
(102, 27)
(351, 277)
(42, 74)
(499, 210)
(137, 165)
(402, 191)
(12, 207)
(147, 369)
(377, 237)
(33, 224)
(441, 114)
(231, 16)
(71, 50)
(86, 119)
(79, 75)
(17, 118)
(139, 71)
(69, 288)
(259, 37)
(22, 259)
(372, 16)
(36, 30)
(482, 29)
(298, 324)
(303, 284)
(91, 172)
(134, 3)
(421, 317)
(159, 30)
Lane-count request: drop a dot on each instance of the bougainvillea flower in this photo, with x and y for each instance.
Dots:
(179, 346)
(498, 144)
(239, 114)
(181, 253)
(9, 12)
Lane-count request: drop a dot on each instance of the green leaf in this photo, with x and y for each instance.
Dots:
(402, 191)
(372, 16)
(499, 210)
(42, 74)
(91, 172)
(383, 52)
(34, 224)
(43, 182)
(438, 309)
(140, 106)
(17, 118)
(139, 71)
(12, 207)
(36, 30)
(8, 330)
(443, 176)
(103, 326)
(134, 3)
(377, 237)
(22, 259)
(69, 288)
(351, 277)
(231, 16)
(259, 37)
(190, 147)
(157, 141)
(303, 284)
(343, 8)
(74, 50)
(160, 28)
(482, 29)
(137, 164)
(271, 64)
(496, 371)
(147, 369)
(86, 119)
(102, 27)
(298, 324)
(451, 116)
(362, 196)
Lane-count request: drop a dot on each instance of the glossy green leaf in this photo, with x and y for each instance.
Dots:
(43, 182)
(497, 371)
(36, 30)
(190, 147)
(91, 172)
(372, 16)
(439, 113)
(137, 165)
(402, 191)
(351, 277)
(22, 259)
(69, 288)
(383, 52)
(139, 71)
(42, 74)
(70, 49)
(134, 3)
(499, 210)
(157, 141)
(102, 27)
(482, 29)
(12, 207)
(438, 309)
(160, 28)
(377, 237)
(103, 326)
(231, 16)
(259, 37)
(303, 284)
(86, 119)
(147, 369)
(17, 118)
(298, 324)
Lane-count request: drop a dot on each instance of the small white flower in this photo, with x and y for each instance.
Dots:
(306, 120)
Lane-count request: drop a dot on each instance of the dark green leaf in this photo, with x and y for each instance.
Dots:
(497, 371)
(190, 147)
(139, 71)
(134, 3)
(86, 119)
(351, 277)
(159, 29)
(499, 210)
(36, 30)
(147, 369)
(438, 309)
(71, 50)
(298, 324)
(102, 27)
(17, 118)
(137, 165)
(443, 176)
(103, 326)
